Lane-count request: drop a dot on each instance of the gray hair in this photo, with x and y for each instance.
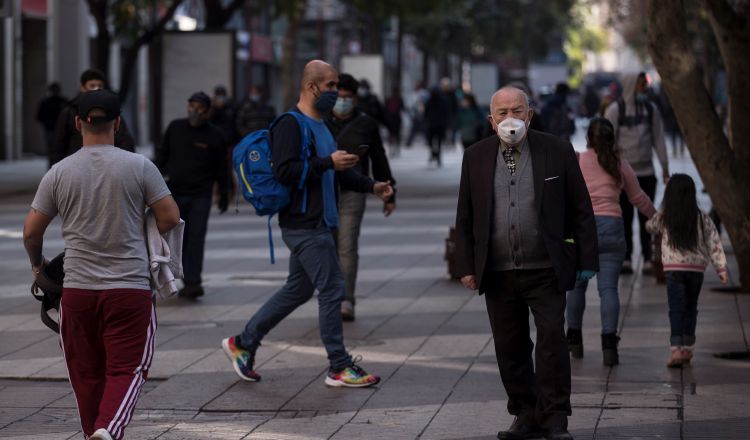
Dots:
(517, 88)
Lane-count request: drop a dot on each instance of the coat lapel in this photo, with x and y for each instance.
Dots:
(539, 165)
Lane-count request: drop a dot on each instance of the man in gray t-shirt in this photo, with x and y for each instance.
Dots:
(107, 318)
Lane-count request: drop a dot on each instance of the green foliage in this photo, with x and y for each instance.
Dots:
(580, 38)
(129, 18)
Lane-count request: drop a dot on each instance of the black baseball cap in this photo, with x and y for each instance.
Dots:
(201, 98)
(105, 100)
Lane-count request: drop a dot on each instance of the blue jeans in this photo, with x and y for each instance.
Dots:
(683, 288)
(610, 232)
(312, 265)
(195, 211)
(351, 211)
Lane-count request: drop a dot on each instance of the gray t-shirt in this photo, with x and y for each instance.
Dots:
(101, 193)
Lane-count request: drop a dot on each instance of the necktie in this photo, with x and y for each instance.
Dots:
(509, 160)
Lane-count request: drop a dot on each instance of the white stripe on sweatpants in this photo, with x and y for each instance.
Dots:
(119, 421)
(148, 356)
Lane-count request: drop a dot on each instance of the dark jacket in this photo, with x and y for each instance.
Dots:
(49, 110)
(193, 158)
(561, 198)
(361, 129)
(286, 148)
(254, 116)
(68, 140)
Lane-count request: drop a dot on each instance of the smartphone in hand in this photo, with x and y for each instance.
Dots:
(361, 150)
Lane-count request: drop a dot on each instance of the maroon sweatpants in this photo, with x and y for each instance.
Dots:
(108, 342)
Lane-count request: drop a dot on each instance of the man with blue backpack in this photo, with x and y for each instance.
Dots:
(305, 159)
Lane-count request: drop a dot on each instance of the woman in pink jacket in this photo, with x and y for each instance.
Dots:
(606, 177)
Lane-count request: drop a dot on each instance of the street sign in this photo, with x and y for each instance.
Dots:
(6, 7)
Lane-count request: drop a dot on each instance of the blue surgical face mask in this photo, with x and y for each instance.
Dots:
(326, 101)
(343, 106)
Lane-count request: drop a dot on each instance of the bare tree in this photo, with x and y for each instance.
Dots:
(128, 22)
(723, 162)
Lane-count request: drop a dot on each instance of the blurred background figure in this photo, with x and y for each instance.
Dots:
(68, 139)
(254, 113)
(448, 93)
(191, 158)
(557, 116)
(591, 101)
(369, 103)
(47, 113)
(469, 121)
(416, 110)
(394, 105)
(436, 118)
(352, 129)
(222, 114)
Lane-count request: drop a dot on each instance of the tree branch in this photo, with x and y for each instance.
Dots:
(155, 30)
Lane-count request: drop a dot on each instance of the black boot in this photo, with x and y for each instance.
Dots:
(609, 349)
(575, 342)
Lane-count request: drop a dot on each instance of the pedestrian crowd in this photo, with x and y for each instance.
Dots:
(535, 222)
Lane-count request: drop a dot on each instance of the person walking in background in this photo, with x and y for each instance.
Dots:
(47, 113)
(192, 157)
(254, 113)
(416, 110)
(369, 103)
(639, 131)
(107, 314)
(557, 116)
(351, 129)
(222, 115)
(689, 242)
(525, 233)
(394, 105)
(469, 121)
(436, 119)
(606, 177)
(448, 93)
(308, 231)
(68, 139)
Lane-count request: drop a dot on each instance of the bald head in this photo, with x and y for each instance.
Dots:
(317, 71)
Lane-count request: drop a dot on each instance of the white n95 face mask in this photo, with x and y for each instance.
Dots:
(511, 131)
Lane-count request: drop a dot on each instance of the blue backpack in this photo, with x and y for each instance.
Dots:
(253, 165)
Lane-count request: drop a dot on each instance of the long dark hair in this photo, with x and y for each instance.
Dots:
(681, 213)
(601, 137)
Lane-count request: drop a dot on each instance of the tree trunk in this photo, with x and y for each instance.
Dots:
(732, 30)
(131, 54)
(724, 174)
(99, 10)
(217, 16)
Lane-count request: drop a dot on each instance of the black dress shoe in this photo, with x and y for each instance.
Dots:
(519, 431)
(558, 434)
(191, 291)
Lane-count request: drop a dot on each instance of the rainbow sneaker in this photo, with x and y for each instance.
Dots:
(352, 376)
(242, 360)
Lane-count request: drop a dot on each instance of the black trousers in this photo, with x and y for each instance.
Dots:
(541, 396)
(648, 184)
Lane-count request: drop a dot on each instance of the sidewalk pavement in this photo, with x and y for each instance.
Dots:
(424, 334)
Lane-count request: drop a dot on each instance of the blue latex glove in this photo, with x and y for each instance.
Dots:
(584, 275)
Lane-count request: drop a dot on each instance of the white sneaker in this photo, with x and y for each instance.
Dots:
(101, 434)
(347, 310)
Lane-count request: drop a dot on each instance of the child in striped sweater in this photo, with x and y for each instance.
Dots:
(689, 242)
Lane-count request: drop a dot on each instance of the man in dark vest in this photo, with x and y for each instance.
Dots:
(525, 232)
